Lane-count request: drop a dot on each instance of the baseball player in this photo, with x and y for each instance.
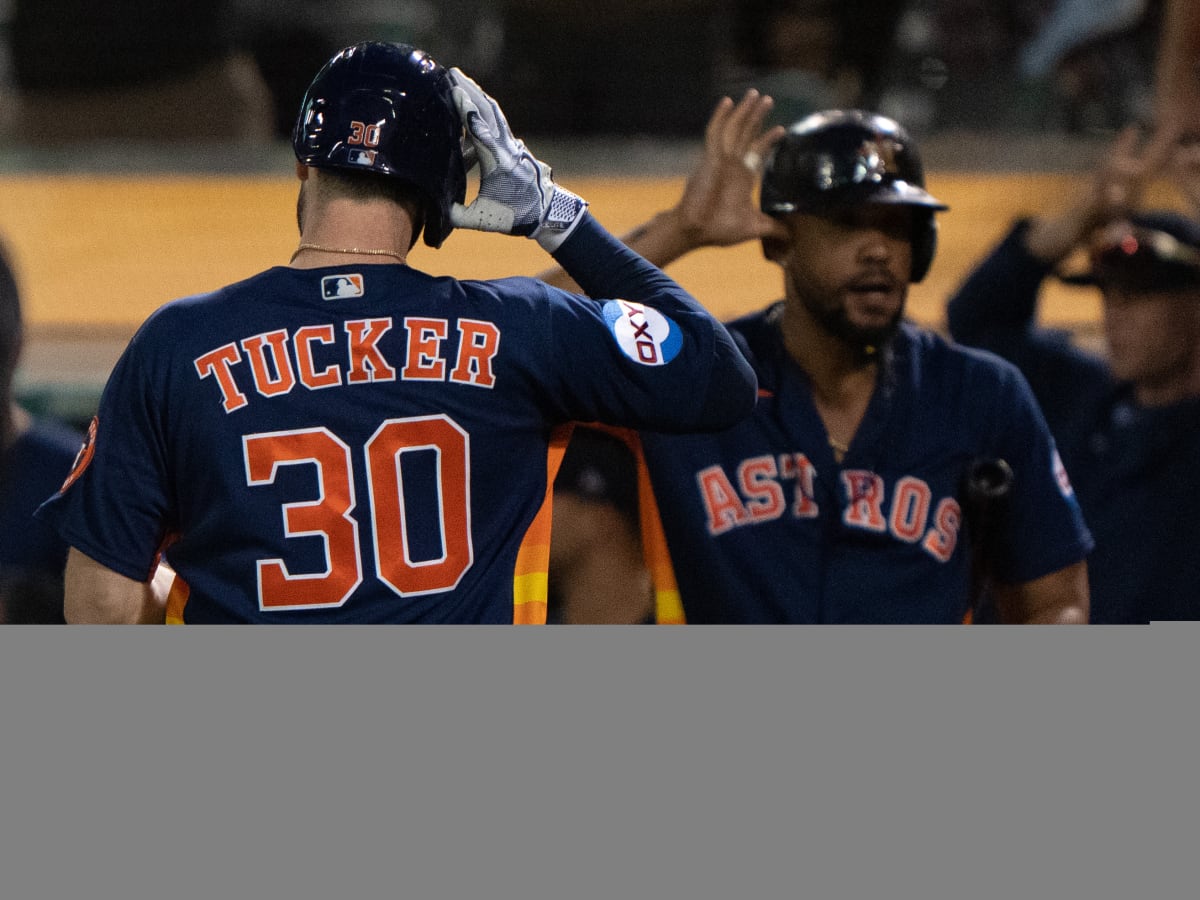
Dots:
(348, 439)
(1127, 420)
(842, 498)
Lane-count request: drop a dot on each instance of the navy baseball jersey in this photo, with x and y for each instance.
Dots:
(1133, 467)
(375, 444)
(763, 525)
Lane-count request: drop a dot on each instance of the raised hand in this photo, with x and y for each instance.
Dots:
(1115, 190)
(1121, 179)
(517, 193)
(718, 206)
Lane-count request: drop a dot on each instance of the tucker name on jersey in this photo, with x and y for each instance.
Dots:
(324, 356)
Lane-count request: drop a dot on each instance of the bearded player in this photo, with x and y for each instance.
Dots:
(842, 498)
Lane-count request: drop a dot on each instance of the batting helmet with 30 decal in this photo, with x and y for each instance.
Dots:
(839, 158)
(386, 108)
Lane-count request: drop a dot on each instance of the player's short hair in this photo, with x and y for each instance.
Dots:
(364, 186)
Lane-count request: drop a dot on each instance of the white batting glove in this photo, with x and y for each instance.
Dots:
(517, 194)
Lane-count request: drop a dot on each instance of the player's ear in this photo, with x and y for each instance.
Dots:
(301, 171)
(775, 249)
(776, 239)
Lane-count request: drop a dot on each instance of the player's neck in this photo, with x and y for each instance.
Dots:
(842, 381)
(838, 372)
(343, 232)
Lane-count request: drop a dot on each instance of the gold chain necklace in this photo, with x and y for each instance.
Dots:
(347, 250)
(839, 446)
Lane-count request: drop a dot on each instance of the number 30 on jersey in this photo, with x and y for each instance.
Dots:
(330, 516)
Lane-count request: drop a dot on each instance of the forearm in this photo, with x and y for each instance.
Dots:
(1066, 614)
(95, 594)
(1060, 598)
(1049, 239)
(1000, 294)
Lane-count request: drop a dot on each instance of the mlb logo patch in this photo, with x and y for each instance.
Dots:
(334, 287)
(361, 157)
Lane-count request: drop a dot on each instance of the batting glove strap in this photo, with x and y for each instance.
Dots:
(563, 213)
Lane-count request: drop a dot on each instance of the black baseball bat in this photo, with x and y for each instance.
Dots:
(988, 487)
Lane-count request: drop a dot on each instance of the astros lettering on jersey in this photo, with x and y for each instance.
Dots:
(765, 525)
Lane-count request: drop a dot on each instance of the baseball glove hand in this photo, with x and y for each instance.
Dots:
(517, 194)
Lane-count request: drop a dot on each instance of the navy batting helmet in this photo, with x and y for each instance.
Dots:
(838, 158)
(386, 108)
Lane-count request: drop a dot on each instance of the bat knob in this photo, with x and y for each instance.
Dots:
(989, 478)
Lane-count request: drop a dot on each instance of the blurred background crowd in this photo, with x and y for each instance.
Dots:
(1031, 65)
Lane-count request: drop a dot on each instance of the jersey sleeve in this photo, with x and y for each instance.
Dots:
(114, 504)
(1040, 526)
(639, 350)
